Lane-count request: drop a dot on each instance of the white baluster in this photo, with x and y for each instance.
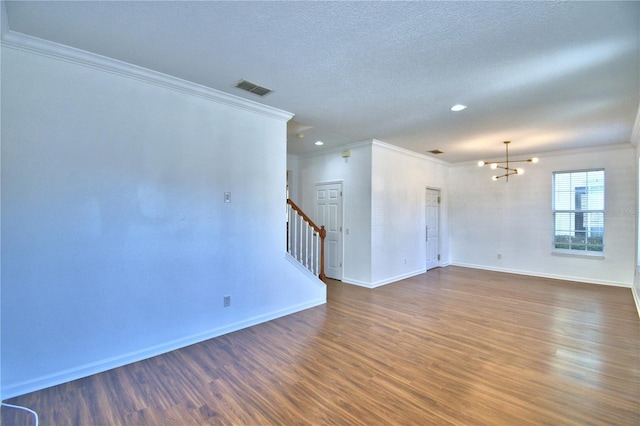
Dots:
(294, 243)
(317, 271)
(318, 254)
(309, 237)
(303, 244)
(300, 239)
(289, 231)
(311, 250)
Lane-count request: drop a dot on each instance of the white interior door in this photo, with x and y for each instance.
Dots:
(329, 214)
(432, 212)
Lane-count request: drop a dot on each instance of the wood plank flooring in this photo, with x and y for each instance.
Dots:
(454, 346)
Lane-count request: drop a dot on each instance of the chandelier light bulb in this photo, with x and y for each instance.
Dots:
(506, 165)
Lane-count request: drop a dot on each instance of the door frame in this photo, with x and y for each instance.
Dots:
(424, 209)
(341, 214)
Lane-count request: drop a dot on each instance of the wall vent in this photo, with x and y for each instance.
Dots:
(253, 88)
(436, 151)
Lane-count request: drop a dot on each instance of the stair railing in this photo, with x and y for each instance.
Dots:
(305, 240)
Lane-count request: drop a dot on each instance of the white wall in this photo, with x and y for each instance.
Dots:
(384, 196)
(116, 242)
(515, 219)
(635, 140)
(398, 230)
(355, 174)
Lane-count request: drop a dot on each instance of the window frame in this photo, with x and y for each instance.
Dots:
(581, 251)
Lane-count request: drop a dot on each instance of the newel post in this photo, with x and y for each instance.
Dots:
(323, 234)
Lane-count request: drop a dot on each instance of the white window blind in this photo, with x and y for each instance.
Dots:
(578, 210)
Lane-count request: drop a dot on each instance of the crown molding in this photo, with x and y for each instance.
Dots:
(38, 46)
(574, 151)
(372, 143)
(334, 150)
(388, 146)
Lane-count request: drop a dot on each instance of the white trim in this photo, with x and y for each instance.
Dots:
(359, 283)
(42, 382)
(372, 142)
(398, 278)
(330, 182)
(543, 275)
(407, 152)
(574, 151)
(334, 150)
(385, 281)
(578, 254)
(38, 46)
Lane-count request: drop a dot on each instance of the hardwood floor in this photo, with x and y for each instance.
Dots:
(453, 346)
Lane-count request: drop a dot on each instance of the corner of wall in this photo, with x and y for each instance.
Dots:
(635, 140)
(636, 294)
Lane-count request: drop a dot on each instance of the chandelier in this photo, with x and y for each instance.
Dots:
(508, 171)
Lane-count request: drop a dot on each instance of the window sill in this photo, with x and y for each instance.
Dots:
(579, 254)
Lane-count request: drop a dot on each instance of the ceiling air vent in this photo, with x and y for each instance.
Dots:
(253, 88)
(435, 151)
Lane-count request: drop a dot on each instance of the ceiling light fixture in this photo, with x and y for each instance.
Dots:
(458, 107)
(508, 170)
(319, 143)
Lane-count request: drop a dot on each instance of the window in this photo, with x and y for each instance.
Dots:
(578, 211)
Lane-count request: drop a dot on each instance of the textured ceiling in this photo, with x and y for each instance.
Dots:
(545, 75)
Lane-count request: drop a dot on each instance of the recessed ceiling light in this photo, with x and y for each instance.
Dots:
(319, 143)
(458, 107)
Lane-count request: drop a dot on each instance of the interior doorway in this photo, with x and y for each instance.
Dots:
(432, 219)
(329, 213)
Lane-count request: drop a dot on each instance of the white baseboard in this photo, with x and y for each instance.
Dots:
(359, 283)
(383, 282)
(38, 383)
(543, 275)
(398, 278)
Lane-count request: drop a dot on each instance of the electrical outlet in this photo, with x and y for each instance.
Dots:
(227, 197)
(499, 256)
(404, 260)
(226, 301)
